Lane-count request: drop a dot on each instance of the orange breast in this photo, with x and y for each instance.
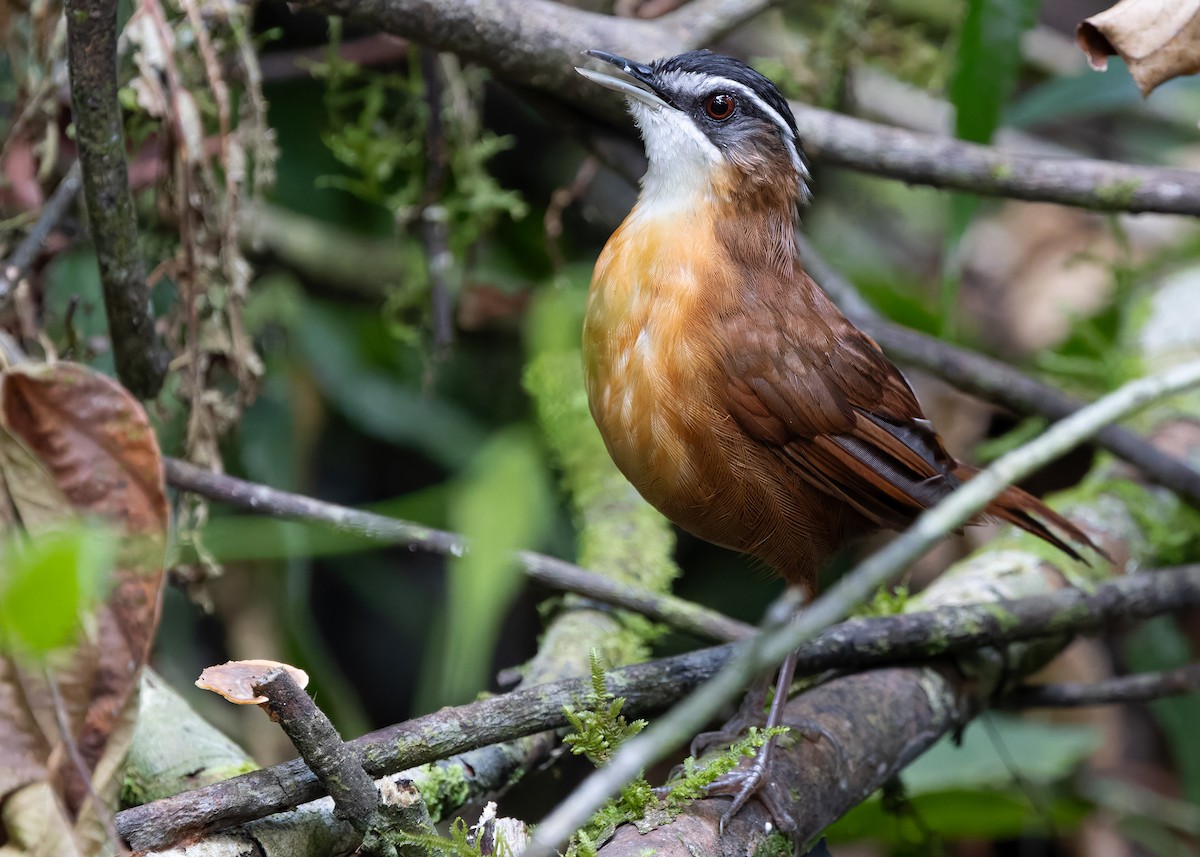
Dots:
(649, 366)
(661, 297)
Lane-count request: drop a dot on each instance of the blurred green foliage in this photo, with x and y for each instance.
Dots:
(1159, 645)
(49, 582)
(501, 503)
(1004, 779)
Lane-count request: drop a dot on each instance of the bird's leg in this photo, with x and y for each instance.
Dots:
(746, 782)
(749, 713)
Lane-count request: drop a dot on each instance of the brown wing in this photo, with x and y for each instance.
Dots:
(820, 392)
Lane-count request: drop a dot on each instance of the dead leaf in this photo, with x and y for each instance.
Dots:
(1158, 39)
(72, 443)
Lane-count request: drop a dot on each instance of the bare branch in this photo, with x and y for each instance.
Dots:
(858, 643)
(702, 22)
(92, 56)
(948, 163)
(17, 264)
(1113, 691)
(547, 570)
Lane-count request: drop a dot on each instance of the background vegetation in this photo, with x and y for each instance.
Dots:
(365, 256)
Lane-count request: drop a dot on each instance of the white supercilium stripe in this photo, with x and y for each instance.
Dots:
(708, 82)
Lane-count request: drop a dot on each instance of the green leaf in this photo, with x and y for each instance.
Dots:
(1082, 96)
(47, 582)
(502, 504)
(971, 791)
(987, 64)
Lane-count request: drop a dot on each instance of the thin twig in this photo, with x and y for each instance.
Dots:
(547, 570)
(140, 359)
(431, 221)
(685, 719)
(995, 381)
(1113, 691)
(55, 208)
(864, 642)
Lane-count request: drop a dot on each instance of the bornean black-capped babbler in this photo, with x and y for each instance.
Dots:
(728, 388)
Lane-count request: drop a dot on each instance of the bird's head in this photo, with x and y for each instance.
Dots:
(711, 124)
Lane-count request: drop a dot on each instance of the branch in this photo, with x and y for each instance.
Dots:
(769, 648)
(17, 265)
(546, 570)
(703, 22)
(995, 381)
(140, 359)
(1113, 691)
(333, 762)
(537, 43)
(948, 163)
(647, 687)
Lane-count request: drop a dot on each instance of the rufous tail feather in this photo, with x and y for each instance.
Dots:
(1022, 509)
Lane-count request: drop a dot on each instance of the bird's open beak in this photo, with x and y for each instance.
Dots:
(643, 74)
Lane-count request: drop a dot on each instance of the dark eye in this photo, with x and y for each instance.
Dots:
(720, 106)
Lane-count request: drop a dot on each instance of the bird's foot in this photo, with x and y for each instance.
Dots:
(753, 780)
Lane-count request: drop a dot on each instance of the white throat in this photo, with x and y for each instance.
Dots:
(682, 160)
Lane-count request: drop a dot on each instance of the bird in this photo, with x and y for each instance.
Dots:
(729, 390)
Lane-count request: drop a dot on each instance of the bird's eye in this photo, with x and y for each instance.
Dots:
(720, 106)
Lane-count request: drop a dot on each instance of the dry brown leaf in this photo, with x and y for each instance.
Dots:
(1158, 39)
(34, 501)
(73, 442)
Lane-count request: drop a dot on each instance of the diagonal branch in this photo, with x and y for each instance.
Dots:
(547, 570)
(17, 264)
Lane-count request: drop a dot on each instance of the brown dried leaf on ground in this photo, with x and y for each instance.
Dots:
(73, 443)
(1158, 39)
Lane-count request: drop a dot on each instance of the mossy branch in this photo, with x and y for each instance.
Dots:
(944, 627)
(141, 360)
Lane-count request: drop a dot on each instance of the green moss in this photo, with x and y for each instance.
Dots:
(443, 787)
(598, 724)
(887, 602)
(1118, 195)
(775, 845)
(1170, 526)
(132, 793)
(600, 728)
(1002, 172)
(1004, 618)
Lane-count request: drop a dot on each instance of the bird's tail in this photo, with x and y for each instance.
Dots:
(1023, 510)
